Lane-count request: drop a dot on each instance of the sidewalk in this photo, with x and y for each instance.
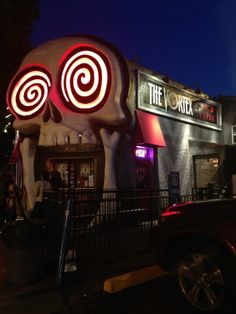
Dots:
(42, 297)
(2, 264)
(37, 298)
(81, 291)
(50, 302)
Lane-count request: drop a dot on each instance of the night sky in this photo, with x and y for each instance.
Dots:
(193, 42)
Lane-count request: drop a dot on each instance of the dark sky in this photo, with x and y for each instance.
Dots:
(192, 41)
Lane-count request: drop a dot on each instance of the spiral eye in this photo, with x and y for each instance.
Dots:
(85, 79)
(28, 92)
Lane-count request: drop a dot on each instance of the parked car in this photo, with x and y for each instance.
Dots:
(197, 242)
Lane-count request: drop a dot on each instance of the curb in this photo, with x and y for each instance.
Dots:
(134, 278)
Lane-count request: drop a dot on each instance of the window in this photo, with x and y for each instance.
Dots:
(233, 132)
(77, 173)
(206, 170)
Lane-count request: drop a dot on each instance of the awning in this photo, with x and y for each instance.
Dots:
(148, 129)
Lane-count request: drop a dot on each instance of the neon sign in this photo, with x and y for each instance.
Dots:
(28, 91)
(85, 79)
(141, 152)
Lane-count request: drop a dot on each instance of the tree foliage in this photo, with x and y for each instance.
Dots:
(6, 147)
(16, 21)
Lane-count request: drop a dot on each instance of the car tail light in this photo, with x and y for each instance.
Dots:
(173, 210)
(170, 213)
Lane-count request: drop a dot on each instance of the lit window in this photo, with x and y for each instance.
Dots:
(233, 132)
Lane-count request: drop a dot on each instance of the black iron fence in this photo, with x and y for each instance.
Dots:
(209, 193)
(109, 223)
(105, 222)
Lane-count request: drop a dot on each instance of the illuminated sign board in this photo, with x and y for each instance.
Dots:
(156, 96)
(141, 152)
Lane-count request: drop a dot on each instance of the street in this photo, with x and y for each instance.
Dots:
(157, 296)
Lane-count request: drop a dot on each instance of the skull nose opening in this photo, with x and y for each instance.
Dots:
(51, 112)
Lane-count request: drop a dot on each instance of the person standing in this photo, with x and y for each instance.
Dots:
(11, 203)
(6, 179)
(53, 175)
(2, 204)
(40, 187)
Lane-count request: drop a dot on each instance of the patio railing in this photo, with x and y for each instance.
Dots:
(110, 223)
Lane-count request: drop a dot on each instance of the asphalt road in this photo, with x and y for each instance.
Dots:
(157, 296)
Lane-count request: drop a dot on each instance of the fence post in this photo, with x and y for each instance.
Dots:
(153, 202)
(118, 226)
(64, 244)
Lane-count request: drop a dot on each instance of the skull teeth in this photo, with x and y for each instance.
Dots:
(51, 139)
(63, 136)
(42, 140)
(74, 138)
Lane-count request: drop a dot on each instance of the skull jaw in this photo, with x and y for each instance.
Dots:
(29, 147)
(52, 134)
(28, 150)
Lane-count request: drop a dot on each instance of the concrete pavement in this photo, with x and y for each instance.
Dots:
(48, 302)
(43, 298)
(2, 263)
(37, 298)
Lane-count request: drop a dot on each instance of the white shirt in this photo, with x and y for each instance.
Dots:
(39, 187)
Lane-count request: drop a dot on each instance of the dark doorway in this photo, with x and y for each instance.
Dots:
(79, 167)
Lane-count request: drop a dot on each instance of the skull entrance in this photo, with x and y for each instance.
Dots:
(78, 170)
(71, 92)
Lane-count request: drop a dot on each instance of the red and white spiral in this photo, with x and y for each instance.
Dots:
(85, 79)
(29, 91)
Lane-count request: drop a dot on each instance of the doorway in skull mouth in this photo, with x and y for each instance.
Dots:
(79, 167)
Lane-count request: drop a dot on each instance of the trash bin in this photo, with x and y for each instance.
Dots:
(25, 251)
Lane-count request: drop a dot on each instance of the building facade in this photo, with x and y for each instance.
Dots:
(107, 123)
(191, 125)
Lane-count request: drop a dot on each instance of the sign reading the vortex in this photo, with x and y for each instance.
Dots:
(28, 92)
(167, 99)
(85, 80)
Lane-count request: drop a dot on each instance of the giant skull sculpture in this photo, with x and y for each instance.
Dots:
(62, 92)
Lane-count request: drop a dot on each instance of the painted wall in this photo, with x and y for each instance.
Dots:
(183, 141)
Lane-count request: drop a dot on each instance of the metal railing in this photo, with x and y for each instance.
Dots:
(105, 224)
(209, 193)
(110, 222)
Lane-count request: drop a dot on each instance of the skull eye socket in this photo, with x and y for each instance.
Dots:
(28, 92)
(85, 79)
